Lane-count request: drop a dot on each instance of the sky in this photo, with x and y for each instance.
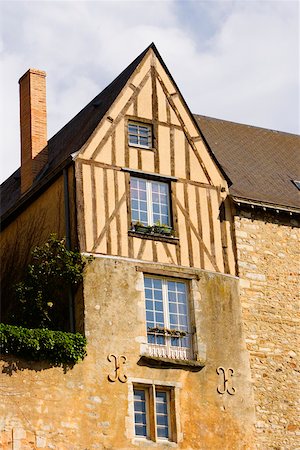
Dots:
(234, 60)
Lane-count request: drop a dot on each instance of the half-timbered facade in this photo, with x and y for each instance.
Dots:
(133, 181)
(175, 158)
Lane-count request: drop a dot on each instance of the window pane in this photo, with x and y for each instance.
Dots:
(157, 284)
(138, 188)
(149, 305)
(143, 140)
(140, 430)
(149, 316)
(157, 294)
(158, 306)
(160, 202)
(140, 412)
(140, 418)
(177, 299)
(160, 340)
(162, 421)
(147, 282)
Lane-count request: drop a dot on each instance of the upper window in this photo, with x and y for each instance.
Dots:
(167, 318)
(139, 135)
(150, 203)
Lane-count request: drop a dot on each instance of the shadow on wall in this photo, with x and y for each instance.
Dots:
(14, 364)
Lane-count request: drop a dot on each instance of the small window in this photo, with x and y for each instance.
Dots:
(167, 318)
(150, 202)
(139, 135)
(153, 412)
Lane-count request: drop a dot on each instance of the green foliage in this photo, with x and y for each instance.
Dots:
(42, 296)
(56, 347)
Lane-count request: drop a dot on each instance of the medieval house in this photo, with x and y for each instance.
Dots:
(190, 304)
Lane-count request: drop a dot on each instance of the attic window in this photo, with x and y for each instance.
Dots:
(297, 184)
(139, 135)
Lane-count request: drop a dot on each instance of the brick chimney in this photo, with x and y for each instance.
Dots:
(33, 121)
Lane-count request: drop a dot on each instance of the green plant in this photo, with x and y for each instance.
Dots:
(157, 228)
(42, 295)
(57, 347)
(167, 331)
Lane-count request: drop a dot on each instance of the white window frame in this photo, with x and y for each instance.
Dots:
(167, 350)
(150, 212)
(138, 125)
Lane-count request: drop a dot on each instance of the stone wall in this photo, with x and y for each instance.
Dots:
(80, 408)
(268, 262)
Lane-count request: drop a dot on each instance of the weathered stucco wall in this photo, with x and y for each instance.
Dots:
(268, 261)
(81, 409)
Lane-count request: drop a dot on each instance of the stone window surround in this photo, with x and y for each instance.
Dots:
(176, 434)
(199, 346)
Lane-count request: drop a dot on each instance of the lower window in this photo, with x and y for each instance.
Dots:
(153, 413)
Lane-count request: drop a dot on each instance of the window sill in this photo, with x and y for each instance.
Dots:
(145, 442)
(167, 363)
(141, 147)
(154, 237)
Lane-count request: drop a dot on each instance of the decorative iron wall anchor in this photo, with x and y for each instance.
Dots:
(226, 381)
(119, 362)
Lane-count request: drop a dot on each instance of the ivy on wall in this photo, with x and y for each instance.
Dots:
(57, 347)
(37, 327)
(42, 297)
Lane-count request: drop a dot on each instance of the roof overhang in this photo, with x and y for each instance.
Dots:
(265, 205)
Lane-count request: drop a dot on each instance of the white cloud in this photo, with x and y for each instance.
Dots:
(235, 60)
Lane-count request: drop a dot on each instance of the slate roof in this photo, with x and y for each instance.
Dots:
(72, 136)
(260, 163)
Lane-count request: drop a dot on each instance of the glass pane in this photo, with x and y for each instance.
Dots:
(162, 419)
(149, 305)
(151, 338)
(172, 307)
(157, 294)
(144, 141)
(140, 412)
(140, 418)
(140, 406)
(171, 286)
(160, 202)
(149, 316)
(132, 128)
(159, 317)
(139, 395)
(157, 284)
(160, 340)
(178, 317)
(148, 292)
(161, 407)
(147, 282)
(162, 432)
(158, 306)
(174, 320)
(182, 309)
(143, 130)
(133, 139)
(162, 414)
(175, 342)
(140, 430)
